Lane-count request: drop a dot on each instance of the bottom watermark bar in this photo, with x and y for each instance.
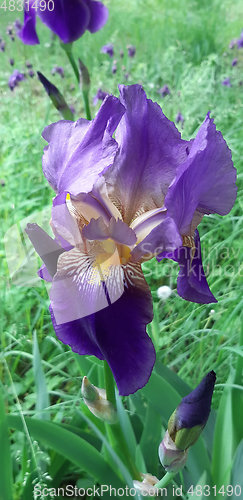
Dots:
(95, 491)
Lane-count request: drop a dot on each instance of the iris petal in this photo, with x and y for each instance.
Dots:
(191, 282)
(27, 33)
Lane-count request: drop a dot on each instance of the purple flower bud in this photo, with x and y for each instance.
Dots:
(17, 25)
(99, 96)
(114, 68)
(31, 73)
(131, 50)
(232, 44)
(9, 30)
(226, 82)
(108, 49)
(60, 71)
(28, 64)
(240, 43)
(164, 91)
(12, 38)
(234, 62)
(11, 61)
(15, 78)
(121, 54)
(190, 417)
(2, 46)
(179, 117)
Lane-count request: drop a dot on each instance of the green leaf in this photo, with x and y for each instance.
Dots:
(6, 474)
(42, 395)
(126, 426)
(223, 438)
(237, 476)
(151, 439)
(71, 446)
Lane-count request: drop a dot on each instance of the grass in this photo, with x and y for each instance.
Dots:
(183, 45)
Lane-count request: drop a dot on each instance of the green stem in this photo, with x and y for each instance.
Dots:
(115, 429)
(68, 49)
(165, 480)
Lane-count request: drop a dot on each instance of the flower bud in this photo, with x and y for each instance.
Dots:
(190, 417)
(56, 97)
(97, 403)
(146, 487)
(186, 424)
(172, 458)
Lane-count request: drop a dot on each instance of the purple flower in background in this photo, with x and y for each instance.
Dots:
(17, 25)
(69, 19)
(108, 49)
(179, 118)
(121, 54)
(234, 62)
(164, 91)
(99, 96)
(232, 44)
(240, 41)
(28, 64)
(226, 82)
(131, 50)
(31, 73)
(15, 78)
(121, 200)
(2, 46)
(59, 70)
(9, 30)
(114, 68)
(11, 61)
(12, 38)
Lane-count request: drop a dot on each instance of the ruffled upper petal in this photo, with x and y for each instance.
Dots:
(191, 282)
(28, 33)
(150, 150)
(69, 19)
(205, 182)
(79, 152)
(98, 15)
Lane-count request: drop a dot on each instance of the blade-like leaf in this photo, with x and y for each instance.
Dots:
(126, 426)
(223, 438)
(42, 395)
(237, 475)
(6, 474)
(71, 446)
(151, 438)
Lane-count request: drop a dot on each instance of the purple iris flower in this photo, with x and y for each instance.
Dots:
(179, 118)
(226, 82)
(164, 91)
(234, 62)
(15, 78)
(31, 73)
(108, 49)
(100, 96)
(121, 200)
(11, 61)
(131, 50)
(69, 19)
